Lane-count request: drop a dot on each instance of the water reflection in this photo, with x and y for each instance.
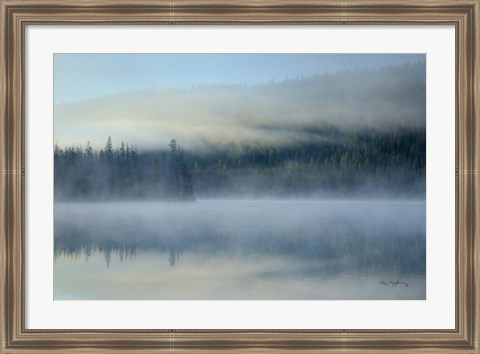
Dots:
(306, 239)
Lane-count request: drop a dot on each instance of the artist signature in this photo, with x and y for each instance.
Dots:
(393, 283)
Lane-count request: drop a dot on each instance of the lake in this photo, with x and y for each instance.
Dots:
(240, 250)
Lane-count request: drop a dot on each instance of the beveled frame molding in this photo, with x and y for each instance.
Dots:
(16, 14)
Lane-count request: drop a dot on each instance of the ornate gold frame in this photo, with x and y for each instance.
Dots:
(16, 14)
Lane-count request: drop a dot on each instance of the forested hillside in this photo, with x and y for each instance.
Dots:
(345, 164)
(362, 163)
(272, 113)
(346, 134)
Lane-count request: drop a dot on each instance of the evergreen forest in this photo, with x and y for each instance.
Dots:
(343, 164)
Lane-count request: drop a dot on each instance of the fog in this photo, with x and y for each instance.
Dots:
(302, 229)
(274, 113)
(317, 238)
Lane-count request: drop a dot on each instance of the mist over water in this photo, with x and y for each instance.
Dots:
(240, 249)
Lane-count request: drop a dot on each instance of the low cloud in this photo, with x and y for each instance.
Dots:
(273, 113)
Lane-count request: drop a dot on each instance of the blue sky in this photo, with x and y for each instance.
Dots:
(80, 77)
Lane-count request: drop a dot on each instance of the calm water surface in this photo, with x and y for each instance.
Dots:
(217, 249)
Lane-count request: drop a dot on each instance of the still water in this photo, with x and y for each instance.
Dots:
(240, 250)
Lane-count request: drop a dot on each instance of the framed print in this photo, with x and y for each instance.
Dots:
(235, 177)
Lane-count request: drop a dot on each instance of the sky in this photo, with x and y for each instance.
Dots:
(84, 76)
(148, 99)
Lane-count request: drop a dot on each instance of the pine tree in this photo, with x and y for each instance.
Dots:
(109, 149)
